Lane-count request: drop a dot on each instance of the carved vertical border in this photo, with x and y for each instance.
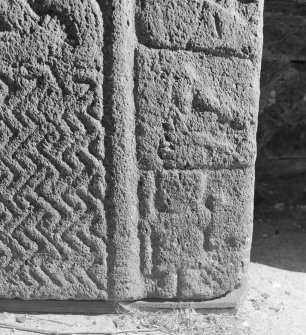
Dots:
(124, 276)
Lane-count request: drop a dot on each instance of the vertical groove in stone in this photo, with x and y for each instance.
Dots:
(124, 277)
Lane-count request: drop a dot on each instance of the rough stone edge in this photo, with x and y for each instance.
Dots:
(226, 304)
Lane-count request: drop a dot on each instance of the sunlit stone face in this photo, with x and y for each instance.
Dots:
(127, 147)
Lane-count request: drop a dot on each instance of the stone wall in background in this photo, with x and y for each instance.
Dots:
(282, 117)
(281, 160)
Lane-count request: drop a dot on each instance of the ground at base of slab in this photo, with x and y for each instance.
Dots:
(275, 303)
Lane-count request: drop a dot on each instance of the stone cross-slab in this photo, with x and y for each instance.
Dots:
(127, 147)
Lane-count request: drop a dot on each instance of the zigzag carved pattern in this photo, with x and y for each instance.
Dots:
(51, 171)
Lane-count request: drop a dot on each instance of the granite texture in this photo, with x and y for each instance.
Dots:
(128, 144)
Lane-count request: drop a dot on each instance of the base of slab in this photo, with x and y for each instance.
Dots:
(226, 304)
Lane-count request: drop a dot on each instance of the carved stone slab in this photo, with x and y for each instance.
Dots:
(127, 147)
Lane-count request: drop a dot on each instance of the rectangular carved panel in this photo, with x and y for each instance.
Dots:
(53, 227)
(195, 111)
(196, 94)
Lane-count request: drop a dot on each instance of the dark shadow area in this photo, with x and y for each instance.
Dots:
(280, 199)
(279, 237)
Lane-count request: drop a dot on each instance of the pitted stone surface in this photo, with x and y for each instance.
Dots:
(127, 147)
(196, 95)
(195, 111)
(53, 227)
(195, 231)
(226, 27)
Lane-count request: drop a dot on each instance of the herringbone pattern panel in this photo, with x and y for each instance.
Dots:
(52, 231)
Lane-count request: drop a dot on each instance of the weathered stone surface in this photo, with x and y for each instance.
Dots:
(229, 27)
(195, 231)
(196, 115)
(127, 147)
(53, 227)
(195, 111)
(125, 280)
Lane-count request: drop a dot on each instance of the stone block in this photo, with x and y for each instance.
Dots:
(127, 147)
(286, 7)
(195, 111)
(284, 37)
(281, 133)
(218, 27)
(195, 231)
(281, 129)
